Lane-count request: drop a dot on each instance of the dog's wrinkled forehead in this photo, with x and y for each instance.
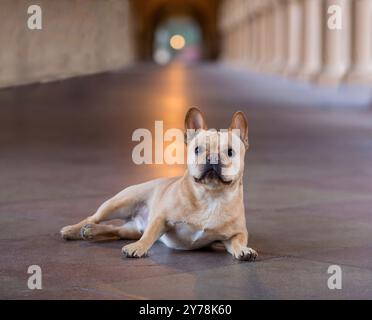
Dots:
(213, 138)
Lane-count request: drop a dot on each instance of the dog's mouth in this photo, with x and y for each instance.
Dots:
(211, 175)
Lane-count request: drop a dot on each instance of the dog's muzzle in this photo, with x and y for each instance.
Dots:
(212, 170)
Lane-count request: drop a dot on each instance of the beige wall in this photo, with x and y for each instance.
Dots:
(78, 37)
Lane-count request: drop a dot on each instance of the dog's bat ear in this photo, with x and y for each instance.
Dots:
(194, 121)
(239, 122)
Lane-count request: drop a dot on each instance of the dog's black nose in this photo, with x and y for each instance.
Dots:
(213, 158)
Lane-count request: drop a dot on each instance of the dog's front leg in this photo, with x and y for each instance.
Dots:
(237, 246)
(153, 232)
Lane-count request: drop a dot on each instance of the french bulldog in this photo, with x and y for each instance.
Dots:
(203, 206)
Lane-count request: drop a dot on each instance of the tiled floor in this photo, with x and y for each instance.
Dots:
(66, 146)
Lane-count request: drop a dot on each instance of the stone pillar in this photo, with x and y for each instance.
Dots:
(234, 50)
(294, 37)
(228, 46)
(225, 46)
(336, 42)
(312, 39)
(361, 64)
(231, 45)
(280, 41)
(238, 42)
(261, 40)
(269, 56)
(247, 41)
(254, 39)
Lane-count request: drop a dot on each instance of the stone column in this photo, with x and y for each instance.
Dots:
(336, 42)
(361, 64)
(280, 41)
(234, 50)
(261, 40)
(228, 46)
(270, 38)
(312, 39)
(295, 37)
(247, 41)
(231, 45)
(227, 49)
(243, 39)
(254, 39)
(238, 42)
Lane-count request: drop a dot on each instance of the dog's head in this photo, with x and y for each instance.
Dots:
(215, 158)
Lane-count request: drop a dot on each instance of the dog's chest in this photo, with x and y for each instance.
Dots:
(194, 233)
(184, 236)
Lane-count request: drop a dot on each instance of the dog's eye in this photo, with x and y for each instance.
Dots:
(197, 150)
(230, 152)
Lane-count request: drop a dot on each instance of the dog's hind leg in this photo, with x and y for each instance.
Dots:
(121, 206)
(97, 232)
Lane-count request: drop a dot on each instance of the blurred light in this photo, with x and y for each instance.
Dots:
(162, 56)
(177, 42)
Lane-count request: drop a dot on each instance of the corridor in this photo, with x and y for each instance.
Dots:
(66, 147)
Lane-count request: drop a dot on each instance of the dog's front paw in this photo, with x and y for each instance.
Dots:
(135, 250)
(246, 254)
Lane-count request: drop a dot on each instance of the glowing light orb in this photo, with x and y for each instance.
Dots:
(177, 42)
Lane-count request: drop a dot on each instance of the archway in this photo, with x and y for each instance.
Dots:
(151, 15)
(178, 38)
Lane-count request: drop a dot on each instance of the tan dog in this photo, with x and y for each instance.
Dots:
(189, 212)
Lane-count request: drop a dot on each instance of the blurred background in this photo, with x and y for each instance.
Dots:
(72, 94)
(289, 38)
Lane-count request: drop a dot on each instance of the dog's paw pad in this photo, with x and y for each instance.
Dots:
(134, 250)
(247, 254)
